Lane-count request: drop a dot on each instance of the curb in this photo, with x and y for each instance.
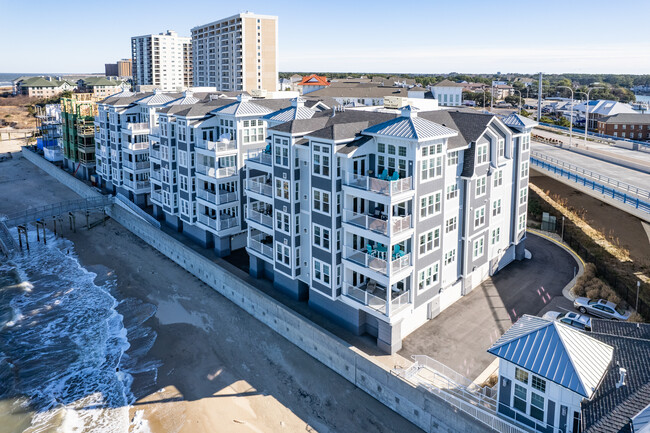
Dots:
(567, 292)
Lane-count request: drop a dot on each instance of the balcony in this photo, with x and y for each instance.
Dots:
(383, 187)
(379, 225)
(86, 130)
(375, 298)
(218, 224)
(156, 196)
(214, 198)
(217, 173)
(377, 260)
(155, 175)
(154, 154)
(136, 165)
(262, 244)
(260, 218)
(261, 158)
(137, 185)
(217, 146)
(255, 186)
(135, 146)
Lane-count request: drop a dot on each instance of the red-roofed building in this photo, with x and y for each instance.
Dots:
(311, 83)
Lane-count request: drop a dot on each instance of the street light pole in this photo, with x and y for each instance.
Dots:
(638, 285)
(571, 125)
(587, 112)
(563, 229)
(519, 112)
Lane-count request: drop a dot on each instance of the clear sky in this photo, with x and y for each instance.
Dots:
(582, 36)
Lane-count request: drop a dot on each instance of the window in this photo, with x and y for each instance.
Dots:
(478, 248)
(321, 237)
(429, 241)
(321, 202)
(524, 169)
(339, 234)
(450, 224)
(498, 178)
(496, 235)
(525, 143)
(450, 256)
(183, 182)
(481, 186)
(431, 164)
(496, 207)
(481, 154)
(282, 188)
(428, 277)
(452, 191)
(321, 155)
(537, 406)
(501, 146)
(522, 222)
(521, 375)
(281, 152)
(182, 158)
(283, 254)
(539, 384)
(519, 400)
(282, 221)
(479, 217)
(523, 195)
(430, 205)
(452, 158)
(322, 272)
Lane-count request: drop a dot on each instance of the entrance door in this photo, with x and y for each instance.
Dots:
(359, 166)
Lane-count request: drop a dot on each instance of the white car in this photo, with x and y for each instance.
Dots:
(572, 319)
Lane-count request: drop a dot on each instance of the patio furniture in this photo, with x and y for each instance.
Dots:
(383, 175)
(267, 149)
(371, 286)
(395, 176)
(369, 250)
(381, 251)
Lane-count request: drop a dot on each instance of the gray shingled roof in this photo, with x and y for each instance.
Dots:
(627, 118)
(361, 90)
(622, 329)
(448, 83)
(470, 125)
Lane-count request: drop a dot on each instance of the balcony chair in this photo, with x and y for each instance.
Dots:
(369, 250)
(267, 149)
(395, 176)
(383, 175)
(371, 286)
(397, 252)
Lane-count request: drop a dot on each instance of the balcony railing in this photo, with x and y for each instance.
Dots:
(253, 185)
(260, 218)
(255, 243)
(140, 127)
(135, 146)
(216, 172)
(221, 198)
(217, 146)
(398, 300)
(86, 131)
(218, 224)
(137, 185)
(154, 153)
(156, 196)
(155, 175)
(376, 263)
(379, 186)
(262, 158)
(136, 165)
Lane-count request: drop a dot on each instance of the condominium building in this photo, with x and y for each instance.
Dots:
(163, 60)
(124, 68)
(236, 53)
(381, 221)
(78, 133)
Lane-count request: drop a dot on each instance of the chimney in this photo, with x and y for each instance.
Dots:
(621, 380)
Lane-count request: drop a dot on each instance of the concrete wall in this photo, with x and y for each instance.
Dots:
(421, 407)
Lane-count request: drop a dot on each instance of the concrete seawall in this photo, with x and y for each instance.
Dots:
(416, 404)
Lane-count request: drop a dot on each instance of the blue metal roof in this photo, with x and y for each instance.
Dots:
(555, 352)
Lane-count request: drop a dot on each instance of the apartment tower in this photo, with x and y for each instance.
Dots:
(237, 53)
(162, 60)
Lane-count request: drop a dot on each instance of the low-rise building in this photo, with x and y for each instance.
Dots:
(101, 87)
(599, 109)
(448, 93)
(632, 126)
(311, 83)
(42, 87)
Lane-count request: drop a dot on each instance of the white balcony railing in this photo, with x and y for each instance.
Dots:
(218, 223)
(137, 185)
(154, 153)
(156, 196)
(376, 263)
(136, 165)
(217, 146)
(135, 146)
(221, 198)
(155, 175)
(262, 158)
(379, 186)
(255, 243)
(253, 185)
(216, 173)
(140, 127)
(398, 300)
(260, 218)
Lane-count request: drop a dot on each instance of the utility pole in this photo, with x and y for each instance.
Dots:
(539, 99)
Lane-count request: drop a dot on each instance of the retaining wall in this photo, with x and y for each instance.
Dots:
(416, 404)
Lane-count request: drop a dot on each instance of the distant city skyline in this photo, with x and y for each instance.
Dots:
(416, 37)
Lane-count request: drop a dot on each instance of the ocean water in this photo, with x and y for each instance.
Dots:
(64, 365)
(642, 98)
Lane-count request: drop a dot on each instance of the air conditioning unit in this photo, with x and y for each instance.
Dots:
(394, 102)
(258, 93)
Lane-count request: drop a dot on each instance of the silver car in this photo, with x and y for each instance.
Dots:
(576, 320)
(601, 308)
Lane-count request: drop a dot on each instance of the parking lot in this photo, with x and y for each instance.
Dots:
(460, 336)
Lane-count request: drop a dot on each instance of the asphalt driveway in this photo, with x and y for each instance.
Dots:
(460, 336)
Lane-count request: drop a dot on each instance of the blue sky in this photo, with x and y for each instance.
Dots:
(358, 36)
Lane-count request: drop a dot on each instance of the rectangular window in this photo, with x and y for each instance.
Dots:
(431, 165)
(523, 195)
(282, 221)
(501, 145)
(524, 169)
(430, 205)
(479, 217)
(452, 158)
(498, 178)
(496, 235)
(537, 406)
(321, 201)
(496, 207)
(521, 375)
(522, 222)
(525, 143)
(519, 399)
(281, 152)
(283, 254)
(478, 248)
(321, 237)
(321, 158)
(452, 191)
(282, 188)
(182, 158)
(539, 383)
(322, 272)
(450, 225)
(481, 154)
(183, 182)
(450, 256)
(428, 277)
(481, 187)
(429, 241)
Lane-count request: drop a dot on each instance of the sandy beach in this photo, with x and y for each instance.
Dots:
(212, 367)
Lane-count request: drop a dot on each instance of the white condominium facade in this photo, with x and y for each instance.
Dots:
(163, 60)
(236, 53)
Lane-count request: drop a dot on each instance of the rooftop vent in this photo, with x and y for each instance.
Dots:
(621, 380)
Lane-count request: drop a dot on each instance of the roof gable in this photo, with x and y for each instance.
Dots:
(411, 127)
(556, 352)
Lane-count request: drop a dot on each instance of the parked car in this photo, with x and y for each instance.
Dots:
(601, 308)
(572, 319)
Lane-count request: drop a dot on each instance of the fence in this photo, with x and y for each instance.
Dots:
(32, 214)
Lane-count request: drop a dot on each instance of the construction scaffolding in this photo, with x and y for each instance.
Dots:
(78, 130)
